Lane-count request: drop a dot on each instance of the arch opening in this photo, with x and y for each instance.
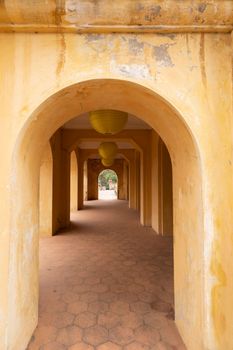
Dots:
(164, 119)
(108, 185)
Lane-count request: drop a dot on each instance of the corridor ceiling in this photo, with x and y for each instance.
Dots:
(82, 122)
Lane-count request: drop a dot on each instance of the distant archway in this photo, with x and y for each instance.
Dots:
(107, 185)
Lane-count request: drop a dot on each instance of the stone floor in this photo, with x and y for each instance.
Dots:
(106, 284)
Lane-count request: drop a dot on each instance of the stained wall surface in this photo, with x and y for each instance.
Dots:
(165, 215)
(46, 192)
(78, 16)
(73, 182)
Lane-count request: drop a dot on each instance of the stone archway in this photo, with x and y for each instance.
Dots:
(113, 186)
(187, 180)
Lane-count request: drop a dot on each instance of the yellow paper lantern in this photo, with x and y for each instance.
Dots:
(107, 150)
(107, 162)
(108, 121)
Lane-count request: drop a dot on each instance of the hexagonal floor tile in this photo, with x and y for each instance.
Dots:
(135, 288)
(118, 288)
(155, 319)
(121, 335)
(70, 297)
(42, 335)
(95, 335)
(98, 307)
(92, 280)
(81, 346)
(79, 289)
(119, 307)
(137, 346)
(58, 319)
(100, 288)
(163, 346)
(112, 280)
(108, 297)
(69, 335)
(109, 320)
(147, 335)
(131, 320)
(86, 319)
(170, 335)
(89, 297)
(128, 297)
(109, 346)
(53, 346)
(140, 307)
(77, 307)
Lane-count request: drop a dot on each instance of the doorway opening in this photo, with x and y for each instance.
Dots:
(108, 185)
(187, 195)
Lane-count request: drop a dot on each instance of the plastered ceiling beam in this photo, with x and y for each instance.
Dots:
(162, 16)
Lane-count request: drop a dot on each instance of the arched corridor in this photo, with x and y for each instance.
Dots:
(163, 73)
(113, 290)
(131, 97)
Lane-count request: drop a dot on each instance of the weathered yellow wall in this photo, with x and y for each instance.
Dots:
(61, 183)
(154, 182)
(164, 191)
(46, 192)
(123, 15)
(81, 157)
(125, 180)
(132, 181)
(73, 182)
(138, 181)
(85, 181)
(57, 181)
(181, 85)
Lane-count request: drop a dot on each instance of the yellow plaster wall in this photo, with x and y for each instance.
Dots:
(154, 182)
(180, 84)
(46, 192)
(85, 181)
(138, 181)
(83, 16)
(80, 154)
(125, 180)
(56, 152)
(73, 182)
(61, 183)
(132, 180)
(165, 204)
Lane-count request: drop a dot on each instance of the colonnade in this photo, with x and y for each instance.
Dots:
(70, 176)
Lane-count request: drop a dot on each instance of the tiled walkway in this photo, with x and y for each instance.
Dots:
(106, 284)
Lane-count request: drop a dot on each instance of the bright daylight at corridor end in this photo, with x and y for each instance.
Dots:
(116, 181)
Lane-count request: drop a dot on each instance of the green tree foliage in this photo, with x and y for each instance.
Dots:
(105, 176)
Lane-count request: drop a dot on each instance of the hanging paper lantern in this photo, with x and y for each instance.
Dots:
(108, 121)
(107, 162)
(107, 150)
